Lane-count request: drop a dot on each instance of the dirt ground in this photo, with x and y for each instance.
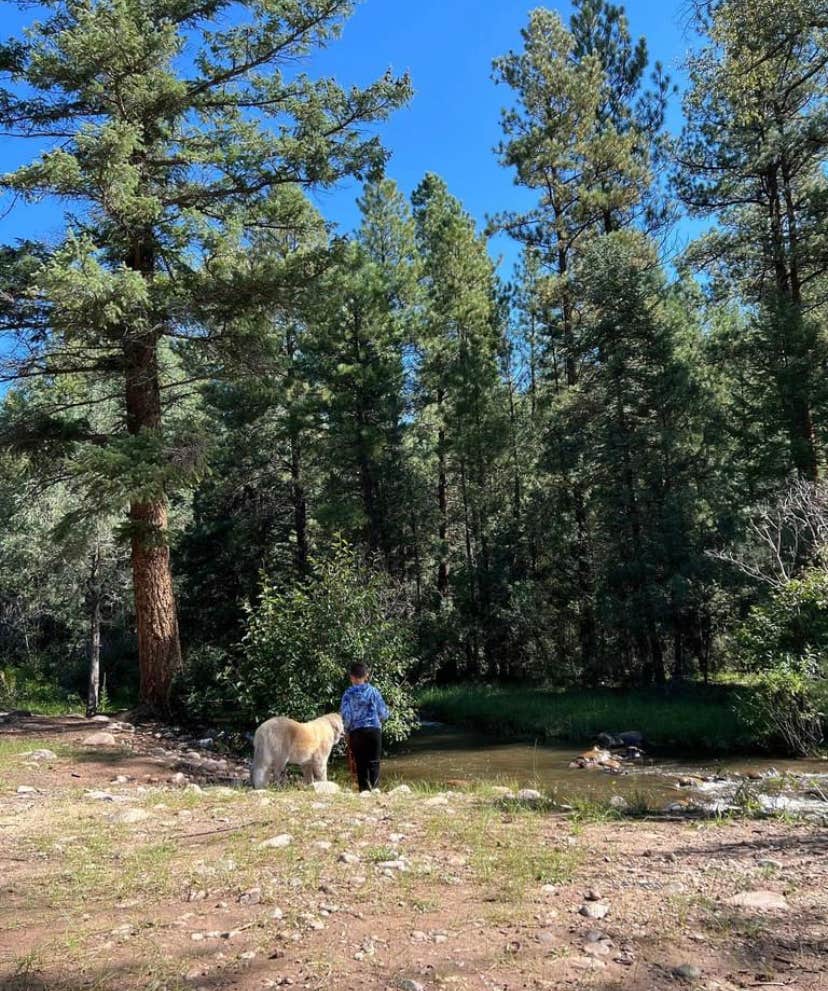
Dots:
(115, 874)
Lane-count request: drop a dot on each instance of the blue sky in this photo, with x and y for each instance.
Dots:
(450, 127)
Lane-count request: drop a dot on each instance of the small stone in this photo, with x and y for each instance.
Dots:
(594, 936)
(250, 897)
(671, 858)
(41, 755)
(687, 972)
(763, 900)
(435, 801)
(400, 790)
(619, 802)
(99, 719)
(348, 858)
(602, 948)
(588, 963)
(130, 816)
(283, 839)
(26, 790)
(277, 913)
(528, 795)
(769, 862)
(322, 844)
(594, 910)
(406, 984)
(549, 889)
(326, 787)
(100, 796)
(247, 955)
(592, 895)
(120, 779)
(194, 789)
(393, 865)
(179, 779)
(100, 740)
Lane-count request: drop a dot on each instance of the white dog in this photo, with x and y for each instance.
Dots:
(281, 741)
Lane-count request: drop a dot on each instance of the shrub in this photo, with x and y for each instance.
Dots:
(784, 641)
(302, 638)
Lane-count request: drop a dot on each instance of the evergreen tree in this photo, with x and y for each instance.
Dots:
(177, 133)
(461, 399)
(753, 155)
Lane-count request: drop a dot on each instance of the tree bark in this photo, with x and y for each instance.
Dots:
(94, 605)
(159, 647)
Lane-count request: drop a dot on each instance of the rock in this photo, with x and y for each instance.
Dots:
(393, 865)
(277, 913)
(769, 862)
(194, 789)
(26, 790)
(528, 795)
(131, 816)
(592, 895)
(120, 779)
(594, 936)
(326, 787)
(275, 842)
(348, 858)
(400, 790)
(322, 844)
(687, 972)
(100, 740)
(549, 889)
(99, 719)
(179, 779)
(42, 754)
(619, 802)
(763, 900)
(587, 963)
(406, 984)
(435, 801)
(594, 910)
(250, 897)
(602, 948)
(501, 791)
(101, 796)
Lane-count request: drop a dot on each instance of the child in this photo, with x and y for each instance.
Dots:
(363, 713)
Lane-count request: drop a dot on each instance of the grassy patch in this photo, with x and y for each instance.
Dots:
(698, 718)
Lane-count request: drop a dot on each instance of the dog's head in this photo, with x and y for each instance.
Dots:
(336, 722)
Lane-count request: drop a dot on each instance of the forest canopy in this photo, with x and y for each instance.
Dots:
(233, 438)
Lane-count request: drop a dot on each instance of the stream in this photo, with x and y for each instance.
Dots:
(443, 755)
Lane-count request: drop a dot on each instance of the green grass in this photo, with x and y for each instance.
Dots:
(697, 718)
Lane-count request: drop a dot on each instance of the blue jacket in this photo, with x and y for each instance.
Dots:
(363, 708)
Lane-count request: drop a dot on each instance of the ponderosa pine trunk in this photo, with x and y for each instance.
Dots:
(94, 605)
(156, 619)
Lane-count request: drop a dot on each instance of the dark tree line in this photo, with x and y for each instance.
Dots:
(555, 472)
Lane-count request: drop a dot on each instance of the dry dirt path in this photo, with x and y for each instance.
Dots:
(116, 873)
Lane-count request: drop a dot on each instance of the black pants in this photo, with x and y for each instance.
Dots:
(366, 746)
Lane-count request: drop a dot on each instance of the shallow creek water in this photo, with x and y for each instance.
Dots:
(444, 755)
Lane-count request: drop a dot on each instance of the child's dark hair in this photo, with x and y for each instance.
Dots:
(358, 670)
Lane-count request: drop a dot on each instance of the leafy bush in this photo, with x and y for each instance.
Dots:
(785, 642)
(302, 638)
(785, 704)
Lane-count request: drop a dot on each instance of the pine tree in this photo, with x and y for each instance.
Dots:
(461, 397)
(177, 133)
(753, 155)
(353, 360)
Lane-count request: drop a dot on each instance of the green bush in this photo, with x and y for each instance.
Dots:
(785, 703)
(784, 641)
(302, 638)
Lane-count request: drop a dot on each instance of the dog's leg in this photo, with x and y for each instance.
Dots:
(260, 772)
(307, 772)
